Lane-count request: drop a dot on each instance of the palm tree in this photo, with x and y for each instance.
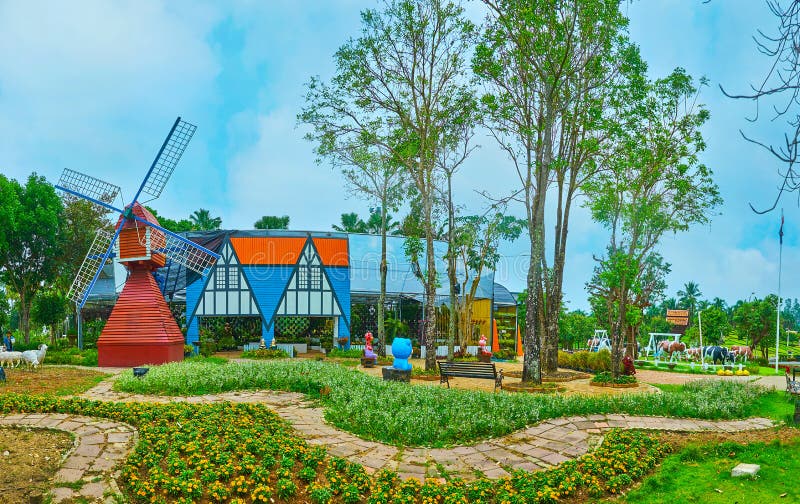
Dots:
(202, 220)
(689, 297)
(351, 223)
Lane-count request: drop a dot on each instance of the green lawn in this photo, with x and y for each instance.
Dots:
(401, 414)
(686, 367)
(702, 473)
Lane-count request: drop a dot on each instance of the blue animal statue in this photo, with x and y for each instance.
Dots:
(401, 351)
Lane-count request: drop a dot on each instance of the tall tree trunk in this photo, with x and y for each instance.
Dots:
(452, 329)
(381, 342)
(25, 317)
(430, 291)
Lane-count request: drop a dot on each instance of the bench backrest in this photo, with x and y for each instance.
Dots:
(468, 369)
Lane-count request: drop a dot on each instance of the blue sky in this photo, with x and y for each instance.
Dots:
(95, 85)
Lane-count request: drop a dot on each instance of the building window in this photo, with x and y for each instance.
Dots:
(302, 278)
(233, 278)
(316, 278)
(221, 275)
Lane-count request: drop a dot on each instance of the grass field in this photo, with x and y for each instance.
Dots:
(701, 472)
(50, 380)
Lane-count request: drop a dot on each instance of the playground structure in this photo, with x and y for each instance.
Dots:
(141, 328)
(599, 341)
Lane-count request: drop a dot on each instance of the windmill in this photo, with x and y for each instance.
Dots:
(141, 328)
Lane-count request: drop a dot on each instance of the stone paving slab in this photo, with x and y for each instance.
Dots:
(99, 447)
(534, 448)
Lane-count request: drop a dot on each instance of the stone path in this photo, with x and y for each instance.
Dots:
(534, 448)
(89, 469)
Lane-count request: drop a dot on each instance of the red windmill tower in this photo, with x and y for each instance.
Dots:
(141, 328)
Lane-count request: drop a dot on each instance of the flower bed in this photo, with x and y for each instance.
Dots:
(607, 380)
(265, 353)
(243, 453)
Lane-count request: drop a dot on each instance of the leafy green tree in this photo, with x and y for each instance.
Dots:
(398, 89)
(475, 247)
(272, 222)
(655, 184)
(547, 67)
(716, 327)
(202, 220)
(81, 220)
(755, 321)
(5, 310)
(575, 327)
(176, 226)
(49, 308)
(31, 242)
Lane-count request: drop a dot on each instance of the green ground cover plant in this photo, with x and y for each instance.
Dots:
(406, 415)
(704, 473)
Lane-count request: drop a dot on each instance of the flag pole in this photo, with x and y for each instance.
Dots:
(778, 318)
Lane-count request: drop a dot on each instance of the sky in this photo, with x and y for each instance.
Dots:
(95, 85)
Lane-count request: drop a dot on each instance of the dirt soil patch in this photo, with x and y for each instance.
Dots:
(29, 458)
(50, 380)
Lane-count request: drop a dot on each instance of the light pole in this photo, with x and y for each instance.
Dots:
(702, 350)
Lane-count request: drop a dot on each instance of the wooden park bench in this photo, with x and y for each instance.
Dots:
(485, 370)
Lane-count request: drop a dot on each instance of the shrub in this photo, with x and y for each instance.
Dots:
(72, 356)
(753, 369)
(505, 354)
(605, 377)
(599, 361)
(265, 353)
(346, 354)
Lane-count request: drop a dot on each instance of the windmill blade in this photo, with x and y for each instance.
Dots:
(181, 250)
(167, 158)
(85, 185)
(90, 268)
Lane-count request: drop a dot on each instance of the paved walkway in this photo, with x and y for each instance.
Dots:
(89, 469)
(541, 446)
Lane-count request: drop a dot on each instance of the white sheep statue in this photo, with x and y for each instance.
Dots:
(35, 357)
(10, 359)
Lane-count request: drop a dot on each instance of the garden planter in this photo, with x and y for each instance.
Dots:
(368, 362)
(615, 385)
(392, 374)
(671, 365)
(532, 388)
(484, 357)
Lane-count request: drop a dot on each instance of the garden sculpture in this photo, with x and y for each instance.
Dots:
(741, 351)
(141, 328)
(716, 353)
(11, 359)
(368, 353)
(482, 346)
(35, 357)
(401, 351)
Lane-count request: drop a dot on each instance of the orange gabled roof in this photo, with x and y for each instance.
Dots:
(332, 251)
(258, 250)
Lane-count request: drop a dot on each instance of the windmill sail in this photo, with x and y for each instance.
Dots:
(93, 262)
(89, 186)
(181, 250)
(168, 157)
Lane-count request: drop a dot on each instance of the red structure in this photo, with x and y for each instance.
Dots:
(141, 328)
